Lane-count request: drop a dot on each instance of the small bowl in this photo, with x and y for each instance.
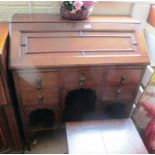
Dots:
(78, 15)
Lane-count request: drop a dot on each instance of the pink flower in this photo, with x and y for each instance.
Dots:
(88, 4)
(78, 5)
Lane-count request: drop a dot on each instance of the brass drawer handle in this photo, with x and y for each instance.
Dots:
(82, 80)
(123, 79)
(40, 99)
(39, 82)
(118, 92)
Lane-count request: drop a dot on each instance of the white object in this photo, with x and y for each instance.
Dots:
(139, 94)
(147, 76)
(150, 40)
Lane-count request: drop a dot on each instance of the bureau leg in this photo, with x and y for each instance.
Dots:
(28, 147)
(27, 144)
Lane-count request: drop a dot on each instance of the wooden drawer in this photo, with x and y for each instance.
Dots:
(124, 76)
(33, 97)
(82, 78)
(118, 93)
(38, 80)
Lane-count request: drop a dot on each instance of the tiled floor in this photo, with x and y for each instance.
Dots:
(49, 142)
(52, 142)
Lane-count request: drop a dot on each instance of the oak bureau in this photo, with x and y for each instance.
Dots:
(50, 56)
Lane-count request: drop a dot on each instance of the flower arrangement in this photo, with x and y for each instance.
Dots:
(78, 5)
(76, 10)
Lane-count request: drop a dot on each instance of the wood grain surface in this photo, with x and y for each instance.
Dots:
(32, 18)
(9, 133)
(98, 41)
(3, 35)
(96, 53)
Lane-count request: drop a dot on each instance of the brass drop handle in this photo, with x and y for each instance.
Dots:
(40, 98)
(39, 82)
(82, 80)
(123, 79)
(118, 92)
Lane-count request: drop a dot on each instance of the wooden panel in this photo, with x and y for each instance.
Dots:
(3, 143)
(3, 99)
(5, 137)
(32, 97)
(108, 137)
(4, 38)
(60, 42)
(9, 134)
(16, 144)
(38, 80)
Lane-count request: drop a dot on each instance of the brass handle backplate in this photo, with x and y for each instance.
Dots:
(123, 79)
(118, 92)
(82, 80)
(40, 98)
(39, 82)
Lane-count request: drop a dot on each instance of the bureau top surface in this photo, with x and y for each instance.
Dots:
(37, 18)
(45, 41)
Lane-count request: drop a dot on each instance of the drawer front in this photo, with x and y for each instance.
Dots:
(118, 93)
(32, 97)
(120, 76)
(82, 78)
(38, 80)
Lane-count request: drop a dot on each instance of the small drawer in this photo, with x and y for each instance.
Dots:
(82, 78)
(118, 93)
(38, 80)
(31, 97)
(118, 76)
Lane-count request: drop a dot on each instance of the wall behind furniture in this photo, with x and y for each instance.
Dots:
(137, 9)
(7, 9)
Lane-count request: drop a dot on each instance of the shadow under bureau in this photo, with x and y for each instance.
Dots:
(50, 57)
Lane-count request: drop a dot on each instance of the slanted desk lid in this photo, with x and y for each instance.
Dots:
(56, 42)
